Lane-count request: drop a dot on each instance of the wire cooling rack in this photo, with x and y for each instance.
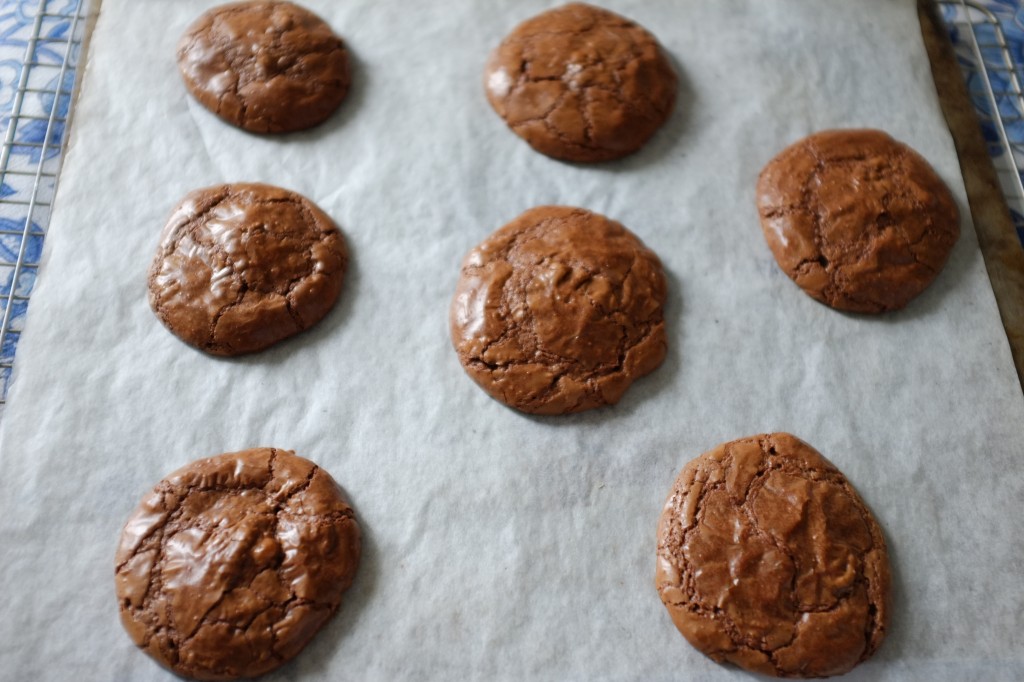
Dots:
(41, 41)
(989, 41)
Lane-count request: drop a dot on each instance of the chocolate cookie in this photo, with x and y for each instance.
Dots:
(768, 559)
(267, 67)
(231, 565)
(580, 83)
(241, 267)
(858, 220)
(559, 311)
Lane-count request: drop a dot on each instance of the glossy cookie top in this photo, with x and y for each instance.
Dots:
(580, 83)
(267, 67)
(231, 565)
(858, 220)
(559, 311)
(769, 559)
(241, 267)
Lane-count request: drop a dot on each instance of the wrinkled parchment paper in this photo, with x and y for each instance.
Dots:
(500, 546)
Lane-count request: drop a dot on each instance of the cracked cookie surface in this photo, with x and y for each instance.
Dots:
(559, 311)
(582, 84)
(769, 559)
(266, 67)
(241, 267)
(231, 565)
(858, 220)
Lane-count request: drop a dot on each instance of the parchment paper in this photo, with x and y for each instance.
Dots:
(500, 546)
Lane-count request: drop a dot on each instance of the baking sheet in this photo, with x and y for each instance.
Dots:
(497, 545)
